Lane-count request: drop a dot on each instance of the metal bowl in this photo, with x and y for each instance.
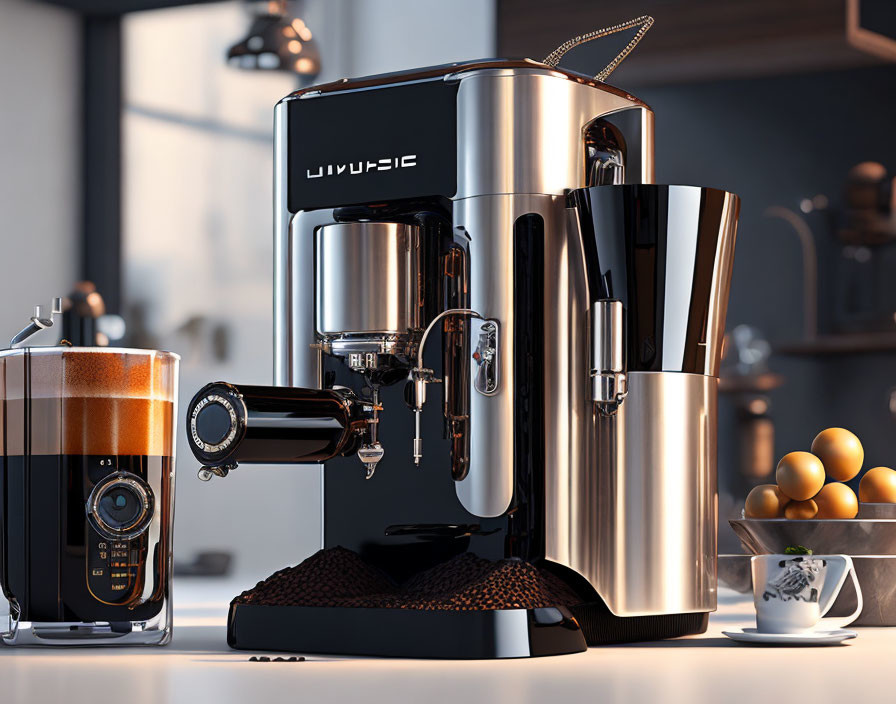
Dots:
(867, 510)
(853, 536)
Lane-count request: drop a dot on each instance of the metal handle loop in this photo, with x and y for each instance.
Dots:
(645, 22)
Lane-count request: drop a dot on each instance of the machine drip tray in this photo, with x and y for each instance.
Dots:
(336, 602)
(396, 632)
(466, 607)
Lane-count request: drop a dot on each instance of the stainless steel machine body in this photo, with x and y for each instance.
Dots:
(629, 498)
(633, 531)
(581, 311)
(660, 295)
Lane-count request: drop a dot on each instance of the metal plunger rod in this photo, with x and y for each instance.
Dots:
(375, 397)
(373, 424)
(418, 439)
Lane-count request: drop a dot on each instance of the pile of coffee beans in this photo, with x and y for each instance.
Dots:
(332, 577)
(339, 577)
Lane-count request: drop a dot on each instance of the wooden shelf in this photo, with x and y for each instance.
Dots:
(749, 383)
(691, 41)
(847, 343)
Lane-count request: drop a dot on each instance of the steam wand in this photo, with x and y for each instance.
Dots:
(421, 376)
(38, 322)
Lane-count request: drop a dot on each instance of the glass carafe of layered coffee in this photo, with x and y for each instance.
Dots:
(87, 494)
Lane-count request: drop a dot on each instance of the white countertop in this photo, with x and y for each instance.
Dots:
(198, 666)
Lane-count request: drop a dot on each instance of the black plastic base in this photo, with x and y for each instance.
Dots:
(602, 627)
(511, 633)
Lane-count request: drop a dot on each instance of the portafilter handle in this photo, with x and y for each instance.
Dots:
(229, 425)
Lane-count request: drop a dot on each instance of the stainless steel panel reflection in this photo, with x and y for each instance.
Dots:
(367, 278)
(282, 310)
(642, 514)
(607, 350)
(486, 225)
(520, 137)
(304, 366)
(521, 131)
(295, 362)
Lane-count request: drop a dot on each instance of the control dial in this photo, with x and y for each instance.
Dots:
(120, 506)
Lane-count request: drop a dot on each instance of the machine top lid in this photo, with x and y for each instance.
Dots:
(443, 70)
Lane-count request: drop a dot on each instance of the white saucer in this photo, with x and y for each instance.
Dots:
(751, 635)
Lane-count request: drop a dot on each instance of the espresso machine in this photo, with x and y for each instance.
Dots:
(495, 338)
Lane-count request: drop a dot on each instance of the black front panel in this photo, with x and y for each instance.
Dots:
(400, 519)
(408, 518)
(57, 567)
(372, 145)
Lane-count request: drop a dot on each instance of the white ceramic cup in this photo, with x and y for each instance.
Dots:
(793, 592)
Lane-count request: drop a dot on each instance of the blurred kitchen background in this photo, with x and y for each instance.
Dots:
(137, 156)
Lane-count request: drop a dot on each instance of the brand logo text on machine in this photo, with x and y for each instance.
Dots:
(353, 168)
